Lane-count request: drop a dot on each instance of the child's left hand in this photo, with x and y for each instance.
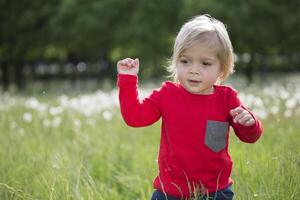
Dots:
(242, 116)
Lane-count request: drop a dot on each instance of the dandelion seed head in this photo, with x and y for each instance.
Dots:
(46, 123)
(13, 125)
(274, 109)
(261, 113)
(257, 101)
(77, 123)
(287, 113)
(291, 103)
(284, 94)
(21, 131)
(56, 122)
(56, 110)
(27, 117)
(33, 103)
(107, 115)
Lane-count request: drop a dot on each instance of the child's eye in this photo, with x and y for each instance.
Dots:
(206, 64)
(183, 61)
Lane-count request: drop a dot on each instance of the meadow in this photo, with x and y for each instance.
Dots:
(76, 146)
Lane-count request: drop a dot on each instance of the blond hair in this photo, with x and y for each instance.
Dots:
(211, 33)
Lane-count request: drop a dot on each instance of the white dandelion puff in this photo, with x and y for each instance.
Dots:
(291, 103)
(56, 122)
(33, 103)
(46, 123)
(13, 125)
(77, 123)
(284, 94)
(107, 115)
(287, 113)
(257, 101)
(27, 117)
(274, 109)
(21, 132)
(56, 110)
(261, 113)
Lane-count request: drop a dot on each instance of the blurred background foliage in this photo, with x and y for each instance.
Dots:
(83, 39)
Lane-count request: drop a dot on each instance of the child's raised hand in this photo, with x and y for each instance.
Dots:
(242, 116)
(128, 66)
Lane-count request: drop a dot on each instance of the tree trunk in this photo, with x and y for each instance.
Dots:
(249, 70)
(5, 76)
(249, 73)
(19, 76)
(107, 68)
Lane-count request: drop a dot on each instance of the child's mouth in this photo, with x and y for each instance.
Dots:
(194, 81)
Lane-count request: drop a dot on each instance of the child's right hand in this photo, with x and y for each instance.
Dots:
(128, 66)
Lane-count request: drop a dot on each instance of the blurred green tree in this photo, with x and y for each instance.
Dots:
(263, 31)
(23, 35)
(108, 30)
(146, 31)
(85, 28)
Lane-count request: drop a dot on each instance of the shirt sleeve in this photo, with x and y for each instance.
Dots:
(136, 112)
(246, 134)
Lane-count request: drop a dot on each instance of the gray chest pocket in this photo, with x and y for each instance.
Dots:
(215, 135)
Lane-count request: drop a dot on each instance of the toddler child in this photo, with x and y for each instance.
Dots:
(196, 113)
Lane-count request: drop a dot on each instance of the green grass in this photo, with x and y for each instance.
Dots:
(88, 157)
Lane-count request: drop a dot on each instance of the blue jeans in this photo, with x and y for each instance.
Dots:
(225, 194)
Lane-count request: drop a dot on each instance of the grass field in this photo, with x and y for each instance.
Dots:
(77, 147)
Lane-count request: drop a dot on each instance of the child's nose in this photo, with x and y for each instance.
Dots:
(194, 70)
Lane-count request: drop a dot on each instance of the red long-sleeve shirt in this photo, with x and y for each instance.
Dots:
(194, 134)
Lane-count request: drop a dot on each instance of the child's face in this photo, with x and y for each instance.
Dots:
(198, 69)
